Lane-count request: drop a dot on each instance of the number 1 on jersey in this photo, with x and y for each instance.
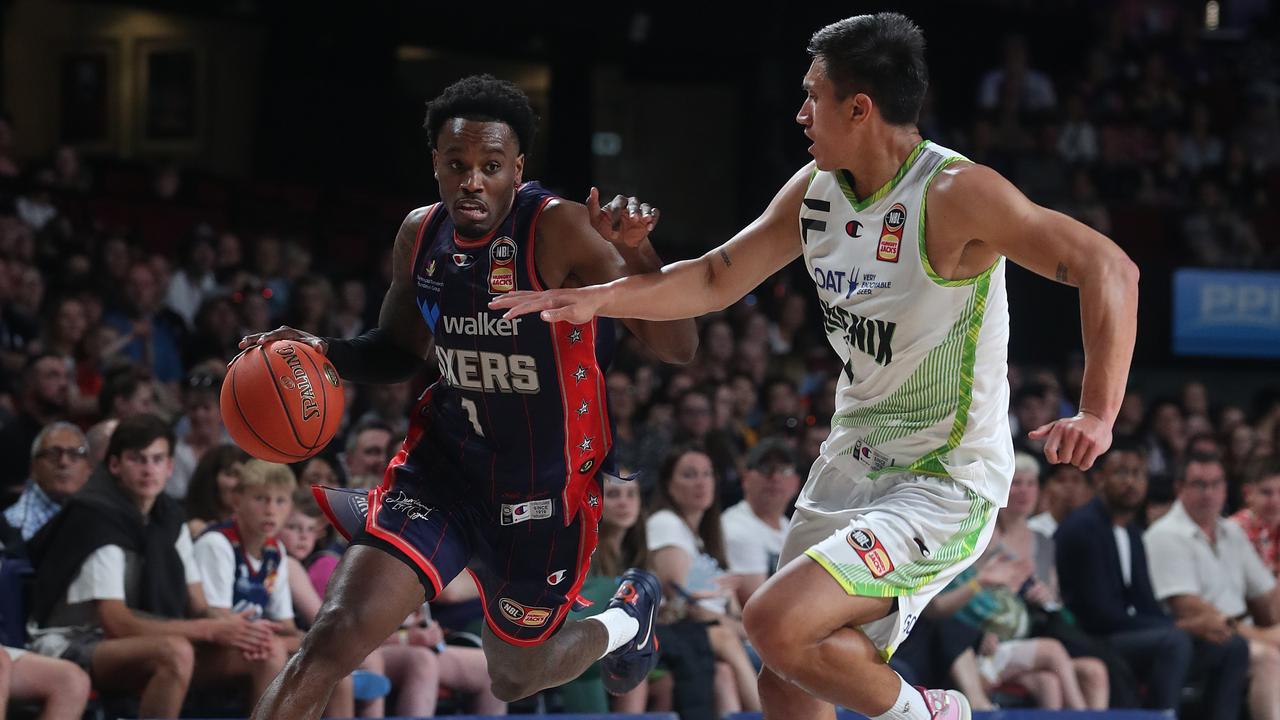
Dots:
(470, 406)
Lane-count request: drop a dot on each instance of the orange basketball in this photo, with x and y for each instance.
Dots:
(282, 401)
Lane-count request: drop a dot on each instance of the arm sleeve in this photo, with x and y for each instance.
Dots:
(280, 604)
(372, 358)
(216, 561)
(1168, 560)
(101, 576)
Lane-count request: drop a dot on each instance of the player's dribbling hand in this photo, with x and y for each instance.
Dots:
(284, 332)
(573, 305)
(624, 221)
(1077, 440)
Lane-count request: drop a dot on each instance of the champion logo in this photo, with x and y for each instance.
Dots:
(463, 260)
(556, 577)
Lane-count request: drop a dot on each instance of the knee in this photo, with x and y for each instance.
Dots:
(771, 633)
(509, 683)
(1093, 669)
(175, 655)
(423, 667)
(1054, 653)
(334, 641)
(74, 684)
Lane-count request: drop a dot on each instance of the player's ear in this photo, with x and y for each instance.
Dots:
(434, 169)
(860, 105)
(519, 168)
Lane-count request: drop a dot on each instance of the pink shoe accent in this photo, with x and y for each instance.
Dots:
(947, 705)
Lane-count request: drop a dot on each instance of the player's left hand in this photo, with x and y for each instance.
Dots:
(1077, 440)
(624, 221)
(573, 305)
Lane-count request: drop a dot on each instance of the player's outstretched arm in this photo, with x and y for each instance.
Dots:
(394, 350)
(688, 288)
(978, 201)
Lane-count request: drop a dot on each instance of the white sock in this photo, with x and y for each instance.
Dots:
(910, 705)
(620, 626)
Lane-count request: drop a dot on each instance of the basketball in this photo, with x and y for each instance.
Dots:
(282, 401)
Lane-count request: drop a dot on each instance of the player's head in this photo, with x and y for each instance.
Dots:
(867, 71)
(479, 130)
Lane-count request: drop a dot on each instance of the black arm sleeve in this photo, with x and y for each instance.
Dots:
(372, 358)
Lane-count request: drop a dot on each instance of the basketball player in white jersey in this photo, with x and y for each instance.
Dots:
(905, 241)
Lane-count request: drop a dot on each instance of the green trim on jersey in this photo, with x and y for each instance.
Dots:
(860, 205)
(931, 464)
(908, 578)
(924, 255)
(813, 175)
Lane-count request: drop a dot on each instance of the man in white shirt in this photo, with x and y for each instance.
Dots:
(754, 527)
(1205, 568)
(117, 590)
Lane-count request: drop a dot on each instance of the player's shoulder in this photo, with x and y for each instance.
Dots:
(418, 214)
(968, 190)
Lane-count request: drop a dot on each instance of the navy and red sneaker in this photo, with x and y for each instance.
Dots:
(639, 596)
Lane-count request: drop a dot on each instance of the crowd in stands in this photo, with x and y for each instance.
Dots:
(173, 566)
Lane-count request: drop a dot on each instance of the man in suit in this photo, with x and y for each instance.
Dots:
(1105, 581)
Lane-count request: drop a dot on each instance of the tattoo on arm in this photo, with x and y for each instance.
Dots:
(725, 257)
(1061, 275)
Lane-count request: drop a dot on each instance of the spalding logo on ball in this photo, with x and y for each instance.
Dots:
(282, 402)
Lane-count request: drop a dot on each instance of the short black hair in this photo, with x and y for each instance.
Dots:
(1120, 444)
(484, 98)
(881, 55)
(136, 432)
(121, 382)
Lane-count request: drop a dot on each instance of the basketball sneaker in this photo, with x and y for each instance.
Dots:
(639, 596)
(946, 704)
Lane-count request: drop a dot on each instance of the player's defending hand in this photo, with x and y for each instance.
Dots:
(284, 332)
(1077, 440)
(573, 305)
(624, 221)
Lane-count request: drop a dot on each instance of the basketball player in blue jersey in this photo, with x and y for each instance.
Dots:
(905, 241)
(500, 471)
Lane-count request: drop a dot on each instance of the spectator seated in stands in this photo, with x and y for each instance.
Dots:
(366, 450)
(754, 528)
(1105, 583)
(1205, 569)
(213, 485)
(200, 427)
(59, 687)
(126, 390)
(686, 544)
(242, 564)
(154, 333)
(42, 399)
(1063, 489)
(1260, 518)
(59, 468)
(118, 592)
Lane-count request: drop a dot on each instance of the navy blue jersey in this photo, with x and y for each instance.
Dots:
(520, 404)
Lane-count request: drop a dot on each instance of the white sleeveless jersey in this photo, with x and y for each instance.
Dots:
(923, 389)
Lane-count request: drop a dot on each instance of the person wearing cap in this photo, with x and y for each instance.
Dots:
(200, 427)
(754, 527)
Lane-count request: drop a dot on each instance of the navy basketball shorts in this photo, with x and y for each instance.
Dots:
(440, 518)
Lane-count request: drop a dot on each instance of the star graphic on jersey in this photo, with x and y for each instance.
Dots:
(580, 374)
(575, 336)
(585, 445)
(592, 500)
(582, 409)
